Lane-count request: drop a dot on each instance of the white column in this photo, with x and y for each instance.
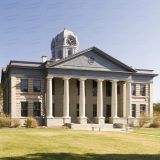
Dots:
(128, 99)
(114, 99)
(151, 99)
(66, 98)
(82, 98)
(99, 119)
(49, 97)
(82, 119)
(124, 99)
(99, 98)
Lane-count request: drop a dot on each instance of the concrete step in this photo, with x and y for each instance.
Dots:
(89, 126)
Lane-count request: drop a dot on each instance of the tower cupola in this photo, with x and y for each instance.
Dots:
(64, 44)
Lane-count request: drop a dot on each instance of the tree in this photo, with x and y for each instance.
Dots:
(143, 119)
(156, 107)
(1, 93)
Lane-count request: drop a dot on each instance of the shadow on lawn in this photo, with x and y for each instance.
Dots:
(69, 156)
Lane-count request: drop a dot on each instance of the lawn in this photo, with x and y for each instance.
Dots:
(148, 131)
(48, 144)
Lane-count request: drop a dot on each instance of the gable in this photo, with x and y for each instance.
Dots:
(82, 62)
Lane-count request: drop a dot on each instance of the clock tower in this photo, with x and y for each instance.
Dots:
(64, 44)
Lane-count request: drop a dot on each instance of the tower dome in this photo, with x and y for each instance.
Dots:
(64, 44)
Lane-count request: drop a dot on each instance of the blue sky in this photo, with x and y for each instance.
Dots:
(127, 30)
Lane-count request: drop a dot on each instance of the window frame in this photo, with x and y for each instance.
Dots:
(36, 110)
(108, 89)
(143, 93)
(144, 109)
(53, 86)
(23, 86)
(94, 90)
(106, 110)
(77, 87)
(77, 110)
(53, 109)
(118, 89)
(24, 109)
(94, 110)
(134, 110)
(133, 90)
(38, 86)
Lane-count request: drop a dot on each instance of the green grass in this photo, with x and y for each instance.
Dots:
(150, 132)
(48, 144)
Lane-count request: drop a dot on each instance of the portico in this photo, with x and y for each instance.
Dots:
(81, 100)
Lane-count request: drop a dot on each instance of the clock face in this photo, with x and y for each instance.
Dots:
(69, 41)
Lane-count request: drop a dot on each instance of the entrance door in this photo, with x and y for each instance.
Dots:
(108, 113)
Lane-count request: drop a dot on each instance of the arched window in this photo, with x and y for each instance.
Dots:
(69, 52)
(59, 54)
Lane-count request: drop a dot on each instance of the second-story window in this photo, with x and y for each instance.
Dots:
(36, 86)
(133, 89)
(24, 85)
(53, 86)
(108, 89)
(94, 88)
(142, 90)
(77, 89)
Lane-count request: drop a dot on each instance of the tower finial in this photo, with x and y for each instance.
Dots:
(64, 27)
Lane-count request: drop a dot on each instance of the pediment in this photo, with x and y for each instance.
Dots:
(89, 60)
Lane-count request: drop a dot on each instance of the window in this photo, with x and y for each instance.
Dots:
(60, 54)
(53, 110)
(24, 109)
(133, 110)
(77, 110)
(108, 111)
(133, 89)
(94, 110)
(108, 88)
(24, 85)
(77, 89)
(69, 52)
(53, 86)
(37, 109)
(142, 90)
(36, 86)
(94, 88)
(142, 108)
(118, 89)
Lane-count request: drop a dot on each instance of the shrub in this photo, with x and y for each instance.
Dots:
(31, 122)
(5, 121)
(156, 120)
(144, 119)
(16, 123)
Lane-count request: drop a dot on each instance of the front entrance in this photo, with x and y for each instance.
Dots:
(108, 113)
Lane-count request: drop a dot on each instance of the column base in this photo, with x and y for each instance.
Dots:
(99, 120)
(82, 120)
(66, 120)
(113, 120)
(49, 121)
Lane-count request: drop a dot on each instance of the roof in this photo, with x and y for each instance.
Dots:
(99, 52)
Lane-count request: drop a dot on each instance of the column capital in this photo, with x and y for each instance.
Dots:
(114, 80)
(49, 77)
(99, 80)
(66, 78)
(129, 81)
(81, 79)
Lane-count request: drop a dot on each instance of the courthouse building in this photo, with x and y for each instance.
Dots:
(76, 88)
